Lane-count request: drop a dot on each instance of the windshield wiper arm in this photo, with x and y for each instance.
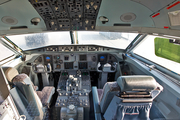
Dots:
(72, 37)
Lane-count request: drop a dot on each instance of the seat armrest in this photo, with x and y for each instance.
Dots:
(95, 100)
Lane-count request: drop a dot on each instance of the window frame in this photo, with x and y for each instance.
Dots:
(6, 43)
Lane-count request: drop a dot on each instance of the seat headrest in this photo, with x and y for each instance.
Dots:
(10, 73)
(21, 78)
(136, 83)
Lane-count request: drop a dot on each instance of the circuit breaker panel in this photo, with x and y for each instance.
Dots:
(68, 14)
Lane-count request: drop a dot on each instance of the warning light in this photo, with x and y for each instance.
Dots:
(173, 5)
(156, 15)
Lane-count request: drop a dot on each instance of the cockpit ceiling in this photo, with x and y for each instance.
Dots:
(143, 16)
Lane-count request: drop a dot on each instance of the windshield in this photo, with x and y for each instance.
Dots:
(30, 41)
(109, 39)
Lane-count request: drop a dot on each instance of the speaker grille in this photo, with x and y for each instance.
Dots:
(128, 17)
(9, 20)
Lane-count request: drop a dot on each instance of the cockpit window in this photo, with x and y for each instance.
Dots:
(111, 39)
(31, 41)
(161, 51)
(5, 52)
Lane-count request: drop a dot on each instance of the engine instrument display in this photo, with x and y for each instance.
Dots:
(83, 65)
(68, 65)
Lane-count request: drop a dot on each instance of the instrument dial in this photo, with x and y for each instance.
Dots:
(60, 61)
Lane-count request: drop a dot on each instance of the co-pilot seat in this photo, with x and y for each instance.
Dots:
(132, 101)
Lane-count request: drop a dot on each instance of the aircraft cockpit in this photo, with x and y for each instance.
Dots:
(89, 59)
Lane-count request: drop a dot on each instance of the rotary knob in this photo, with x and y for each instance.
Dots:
(71, 107)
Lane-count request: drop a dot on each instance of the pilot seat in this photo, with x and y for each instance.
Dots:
(130, 97)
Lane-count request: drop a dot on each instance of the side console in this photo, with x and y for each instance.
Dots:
(73, 99)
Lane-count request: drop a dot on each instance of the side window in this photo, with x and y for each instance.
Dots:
(5, 52)
(159, 50)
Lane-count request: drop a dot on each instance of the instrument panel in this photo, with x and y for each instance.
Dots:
(75, 61)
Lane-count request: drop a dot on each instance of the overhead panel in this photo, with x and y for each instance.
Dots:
(68, 14)
(124, 13)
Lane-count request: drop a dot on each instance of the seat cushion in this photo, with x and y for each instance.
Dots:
(109, 90)
(45, 95)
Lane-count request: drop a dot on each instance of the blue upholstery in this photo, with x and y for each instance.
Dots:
(127, 111)
(98, 116)
(97, 110)
(109, 90)
(27, 107)
(45, 95)
(101, 100)
(135, 100)
(96, 100)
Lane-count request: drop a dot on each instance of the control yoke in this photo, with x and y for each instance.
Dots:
(106, 67)
(40, 68)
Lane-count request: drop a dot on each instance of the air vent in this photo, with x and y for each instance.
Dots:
(128, 17)
(19, 27)
(120, 24)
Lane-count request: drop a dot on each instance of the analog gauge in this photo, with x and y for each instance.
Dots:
(93, 58)
(60, 61)
(58, 66)
(57, 57)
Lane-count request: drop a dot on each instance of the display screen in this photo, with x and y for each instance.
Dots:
(82, 57)
(83, 65)
(48, 59)
(102, 58)
(66, 57)
(68, 65)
